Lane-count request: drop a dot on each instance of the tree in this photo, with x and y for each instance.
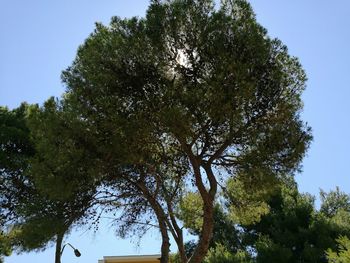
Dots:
(36, 215)
(293, 230)
(286, 232)
(333, 201)
(61, 170)
(207, 85)
(220, 254)
(343, 254)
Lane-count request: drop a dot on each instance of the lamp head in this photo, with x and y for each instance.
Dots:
(77, 253)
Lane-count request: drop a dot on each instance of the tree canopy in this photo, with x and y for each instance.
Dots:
(206, 84)
(34, 213)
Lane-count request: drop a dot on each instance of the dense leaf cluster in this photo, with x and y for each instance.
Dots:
(292, 231)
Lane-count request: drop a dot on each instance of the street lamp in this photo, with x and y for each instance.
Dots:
(76, 251)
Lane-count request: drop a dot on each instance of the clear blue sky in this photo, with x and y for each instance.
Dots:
(39, 38)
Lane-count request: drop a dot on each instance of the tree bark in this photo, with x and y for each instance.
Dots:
(206, 233)
(182, 252)
(59, 241)
(208, 197)
(162, 221)
(165, 248)
(177, 233)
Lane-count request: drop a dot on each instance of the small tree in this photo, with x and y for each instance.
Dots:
(36, 215)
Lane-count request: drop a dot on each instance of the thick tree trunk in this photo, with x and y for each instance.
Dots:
(182, 252)
(59, 241)
(206, 233)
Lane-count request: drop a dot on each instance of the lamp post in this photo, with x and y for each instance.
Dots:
(76, 251)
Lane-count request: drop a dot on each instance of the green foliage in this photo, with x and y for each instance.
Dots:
(341, 219)
(294, 231)
(190, 211)
(334, 201)
(246, 204)
(129, 83)
(342, 255)
(5, 245)
(63, 164)
(286, 232)
(15, 151)
(28, 207)
(269, 251)
(220, 254)
(225, 232)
